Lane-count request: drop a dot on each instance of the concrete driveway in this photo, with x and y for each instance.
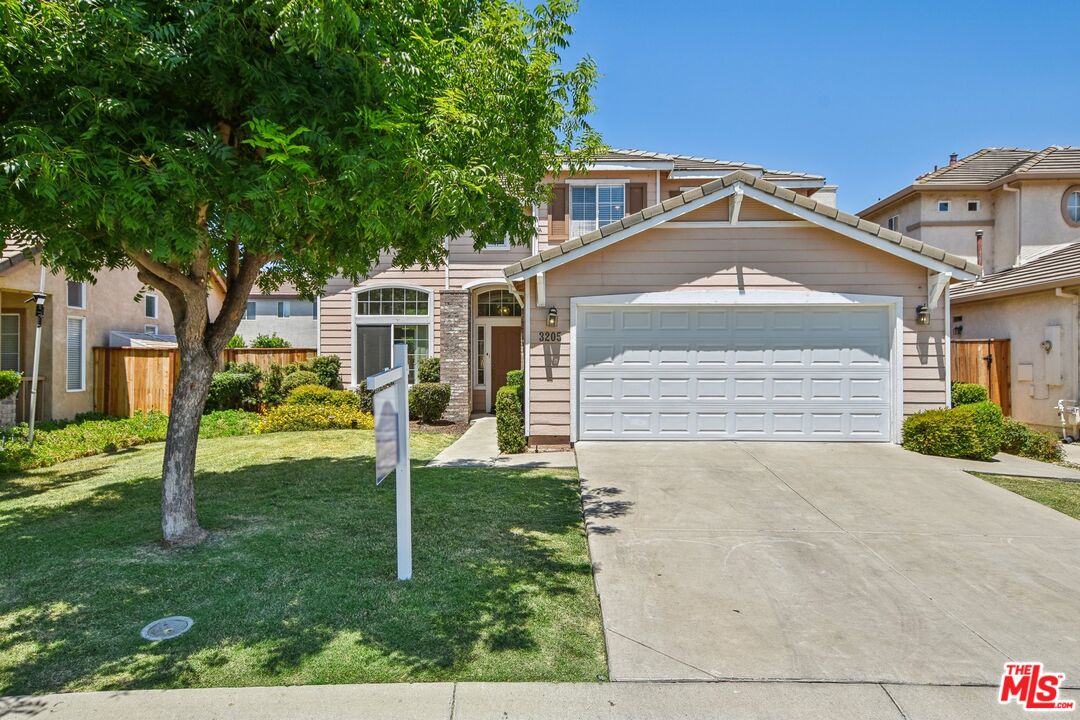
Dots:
(838, 562)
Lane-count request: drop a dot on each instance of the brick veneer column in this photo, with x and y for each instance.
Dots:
(455, 343)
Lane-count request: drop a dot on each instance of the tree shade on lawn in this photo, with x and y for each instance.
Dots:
(274, 140)
(296, 583)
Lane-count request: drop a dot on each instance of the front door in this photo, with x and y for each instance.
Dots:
(505, 355)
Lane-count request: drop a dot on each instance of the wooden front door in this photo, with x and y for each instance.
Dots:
(505, 355)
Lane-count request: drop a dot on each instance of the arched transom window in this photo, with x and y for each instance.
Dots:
(385, 316)
(497, 303)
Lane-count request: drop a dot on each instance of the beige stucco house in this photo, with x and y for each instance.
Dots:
(282, 312)
(671, 297)
(1017, 213)
(78, 317)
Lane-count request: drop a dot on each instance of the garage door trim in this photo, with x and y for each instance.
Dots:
(752, 297)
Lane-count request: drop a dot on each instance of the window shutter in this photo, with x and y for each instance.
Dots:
(75, 339)
(635, 197)
(560, 209)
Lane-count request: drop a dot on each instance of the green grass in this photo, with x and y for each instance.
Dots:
(297, 584)
(1057, 494)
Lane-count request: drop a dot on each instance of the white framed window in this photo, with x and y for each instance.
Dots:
(249, 313)
(944, 205)
(384, 316)
(893, 223)
(284, 308)
(150, 305)
(481, 350)
(592, 206)
(76, 354)
(10, 342)
(150, 329)
(497, 303)
(1070, 206)
(973, 205)
(504, 245)
(76, 295)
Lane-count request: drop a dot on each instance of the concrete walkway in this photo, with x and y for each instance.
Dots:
(478, 447)
(530, 701)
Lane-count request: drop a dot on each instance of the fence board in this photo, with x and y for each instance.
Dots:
(987, 363)
(129, 380)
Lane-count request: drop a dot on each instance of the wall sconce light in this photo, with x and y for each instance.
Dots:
(922, 314)
(1046, 345)
(504, 310)
(553, 316)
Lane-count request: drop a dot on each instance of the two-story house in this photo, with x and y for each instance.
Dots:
(1016, 213)
(282, 312)
(674, 297)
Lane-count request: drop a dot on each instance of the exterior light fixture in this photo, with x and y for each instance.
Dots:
(1046, 345)
(504, 310)
(553, 316)
(922, 314)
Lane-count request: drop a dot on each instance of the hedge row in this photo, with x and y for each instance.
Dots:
(510, 413)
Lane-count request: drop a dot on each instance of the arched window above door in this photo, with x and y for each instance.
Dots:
(497, 303)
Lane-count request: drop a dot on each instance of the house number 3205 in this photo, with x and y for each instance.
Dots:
(546, 336)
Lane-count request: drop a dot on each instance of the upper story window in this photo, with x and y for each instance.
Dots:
(893, 223)
(76, 295)
(393, 301)
(284, 309)
(150, 305)
(504, 245)
(497, 303)
(249, 313)
(973, 205)
(944, 205)
(1070, 205)
(594, 205)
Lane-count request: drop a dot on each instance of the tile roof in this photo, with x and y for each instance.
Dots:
(1060, 268)
(691, 163)
(990, 165)
(763, 185)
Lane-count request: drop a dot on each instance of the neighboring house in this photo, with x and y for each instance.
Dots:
(284, 313)
(669, 297)
(1017, 213)
(79, 317)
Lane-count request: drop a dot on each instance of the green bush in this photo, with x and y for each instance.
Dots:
(1021, 440)
(428, 401)
(428, 370)
(297, 378)
(968, 394)
(288, 418)
(270, 341)
(327, 368)
(367, 397)
(322, 395)
(272, 394)
(515, 378)
(236, 341)
(228, 423)
(1013, 436)
(510, 419)
(234, 388)
(9, 383)
(969, 431)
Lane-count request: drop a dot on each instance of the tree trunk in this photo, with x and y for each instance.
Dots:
(179, 523)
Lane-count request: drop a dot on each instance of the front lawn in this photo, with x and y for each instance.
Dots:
(1058, 494)
(297, 584)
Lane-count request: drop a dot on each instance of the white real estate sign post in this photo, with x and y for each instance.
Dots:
(391, 405)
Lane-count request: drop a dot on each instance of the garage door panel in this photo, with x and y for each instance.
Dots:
(791, 373)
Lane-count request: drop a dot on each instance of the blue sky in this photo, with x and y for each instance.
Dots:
(868, 94)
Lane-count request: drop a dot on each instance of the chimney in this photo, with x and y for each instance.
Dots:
(978, 247)
(952, 158)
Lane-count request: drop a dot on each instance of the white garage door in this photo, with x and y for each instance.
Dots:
(736, 372)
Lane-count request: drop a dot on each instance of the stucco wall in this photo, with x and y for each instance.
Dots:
(301, 329)
(1023, 320)
(110, 305)
(669, 258)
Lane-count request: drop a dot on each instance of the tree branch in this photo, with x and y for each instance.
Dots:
(237, 290)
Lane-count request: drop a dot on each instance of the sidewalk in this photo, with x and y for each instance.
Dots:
(530, 701)
(478, 447)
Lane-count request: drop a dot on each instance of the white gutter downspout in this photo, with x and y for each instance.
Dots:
(948, 348)
(1019, 219)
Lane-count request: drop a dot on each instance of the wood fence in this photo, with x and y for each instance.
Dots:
(986, 363)
(128, 380)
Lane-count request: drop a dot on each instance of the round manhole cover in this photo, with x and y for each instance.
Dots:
(167, 628)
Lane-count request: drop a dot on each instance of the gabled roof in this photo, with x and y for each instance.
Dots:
(990, 167)
(689, 163)
(758, 189)
(1060, 268)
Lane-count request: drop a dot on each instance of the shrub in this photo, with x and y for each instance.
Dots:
(235, 388)
(510, 419)
(322, 395)
(9, 383)
(428, 401)
(428, 370)
(272, 394)
(968, 394)
(969, 431)
(327, 368)
(515, 378)
(297, 378)
(236, 341)
(1013, 436)
(1021, 440)
(270, 341)
(288, 418)
(228, 423)
(367, 397)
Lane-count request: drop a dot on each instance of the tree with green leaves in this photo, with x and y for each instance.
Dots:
(273, 141)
